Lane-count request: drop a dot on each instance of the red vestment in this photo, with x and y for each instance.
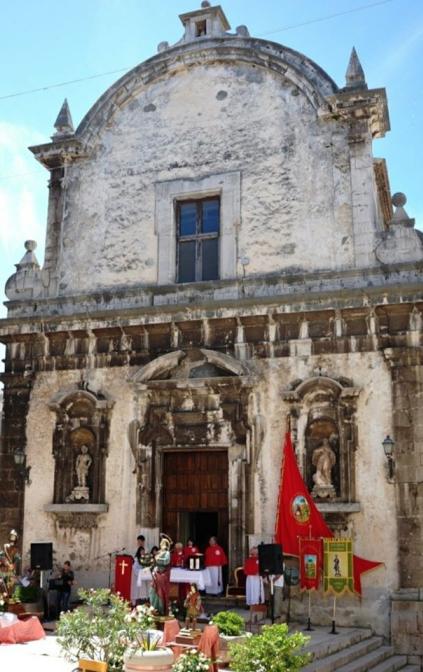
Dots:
(251, 566)
(215, 556)
(189, 551)
(177, 559)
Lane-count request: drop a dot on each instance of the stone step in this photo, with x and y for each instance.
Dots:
(327, 645)
(369, 661)
(391, 664)
(344, 656)
(411, 668)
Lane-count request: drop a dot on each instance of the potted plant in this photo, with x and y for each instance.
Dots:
(98, 631)
(143, 651)
(192, 661)
(106, 630)
(274, 650)
(231, 628)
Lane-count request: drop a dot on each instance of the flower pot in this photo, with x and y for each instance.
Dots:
(160, 660)
(225, 640)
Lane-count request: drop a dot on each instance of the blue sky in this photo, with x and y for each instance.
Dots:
(46, 42)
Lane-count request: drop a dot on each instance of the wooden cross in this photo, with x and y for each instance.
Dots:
(123, 566)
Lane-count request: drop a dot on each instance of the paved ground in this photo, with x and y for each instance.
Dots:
(44, 655)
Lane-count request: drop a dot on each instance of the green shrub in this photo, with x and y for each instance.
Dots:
(100, 630)
(229, 623)
(272, 651)
(27, 594)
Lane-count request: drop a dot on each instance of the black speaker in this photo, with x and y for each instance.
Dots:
(41, 556)
(270, 559)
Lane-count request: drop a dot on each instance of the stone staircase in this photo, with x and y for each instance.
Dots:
(355, 651)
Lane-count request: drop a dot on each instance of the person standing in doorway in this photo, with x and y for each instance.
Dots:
(215, 559)
(66, 579)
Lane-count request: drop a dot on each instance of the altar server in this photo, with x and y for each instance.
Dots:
(254, 583)
(215, 558)
(139, 588)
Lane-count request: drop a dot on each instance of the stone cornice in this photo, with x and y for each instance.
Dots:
(299, 292)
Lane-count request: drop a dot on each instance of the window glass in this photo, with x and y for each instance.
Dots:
(186, 261)
(187, 219)
(210, 218)
(210, 259)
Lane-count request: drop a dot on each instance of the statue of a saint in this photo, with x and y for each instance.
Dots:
(323, 459)
(9, 563)
(160, 585)
(82, 465)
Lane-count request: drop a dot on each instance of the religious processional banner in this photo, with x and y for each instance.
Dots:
(298, 517)
(310, 563)
(123, 575)
(338, 574)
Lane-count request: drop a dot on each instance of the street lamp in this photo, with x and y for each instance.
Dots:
(388, 448)
(20, 461)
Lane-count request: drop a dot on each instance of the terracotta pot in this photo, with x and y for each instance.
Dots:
(160, 660)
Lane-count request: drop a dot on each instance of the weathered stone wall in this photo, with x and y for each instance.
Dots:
(117, 528)
(295, 176)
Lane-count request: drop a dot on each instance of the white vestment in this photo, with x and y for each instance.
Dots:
(216, 584)
(139, 589)
(254, 590)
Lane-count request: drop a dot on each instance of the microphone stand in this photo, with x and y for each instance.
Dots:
(110, 555)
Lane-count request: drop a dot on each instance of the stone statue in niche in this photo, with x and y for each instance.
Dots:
(324, 459)
(83, 462)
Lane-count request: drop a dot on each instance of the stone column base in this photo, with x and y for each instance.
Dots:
(407, 624)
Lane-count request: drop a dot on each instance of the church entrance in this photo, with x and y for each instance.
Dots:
(195, 496)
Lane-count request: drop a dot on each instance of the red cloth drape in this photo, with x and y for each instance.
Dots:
(123, 574)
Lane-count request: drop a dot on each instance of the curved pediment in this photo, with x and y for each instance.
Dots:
(181, 365)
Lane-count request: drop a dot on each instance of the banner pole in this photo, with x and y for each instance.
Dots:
(309, 628)
(334, 630)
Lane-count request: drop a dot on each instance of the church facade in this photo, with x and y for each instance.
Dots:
(223, 261)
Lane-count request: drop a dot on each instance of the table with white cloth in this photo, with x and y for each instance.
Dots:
(201, 577)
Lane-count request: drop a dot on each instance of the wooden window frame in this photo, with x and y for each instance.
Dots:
(198, 237)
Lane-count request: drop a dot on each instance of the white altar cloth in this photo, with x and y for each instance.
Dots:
(200, 577)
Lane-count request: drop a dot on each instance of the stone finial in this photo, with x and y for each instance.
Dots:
(63, 123)
(162, 46)
(354, 76)
(29, 260)
(400, 216)
(205, 4)
(242, 31)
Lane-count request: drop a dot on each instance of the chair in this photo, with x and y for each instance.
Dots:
(92, 666)
(257, 610)
(236, 590)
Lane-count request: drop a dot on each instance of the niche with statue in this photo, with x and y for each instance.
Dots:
(80, 447)
(323, 419)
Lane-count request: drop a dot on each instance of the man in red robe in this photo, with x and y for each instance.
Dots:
(215, 559)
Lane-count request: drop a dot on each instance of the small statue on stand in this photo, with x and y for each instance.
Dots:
(193, 606)
(9, 563)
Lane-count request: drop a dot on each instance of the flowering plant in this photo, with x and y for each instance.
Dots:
(192, 661)
(143, 615)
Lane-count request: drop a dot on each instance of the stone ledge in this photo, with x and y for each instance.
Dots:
(339, 507)
(76, 508)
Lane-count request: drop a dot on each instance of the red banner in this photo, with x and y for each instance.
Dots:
(298, 517)
(123, 573)
(310, 563)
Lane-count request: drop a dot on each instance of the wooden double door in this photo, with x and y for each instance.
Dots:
(195, 496)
